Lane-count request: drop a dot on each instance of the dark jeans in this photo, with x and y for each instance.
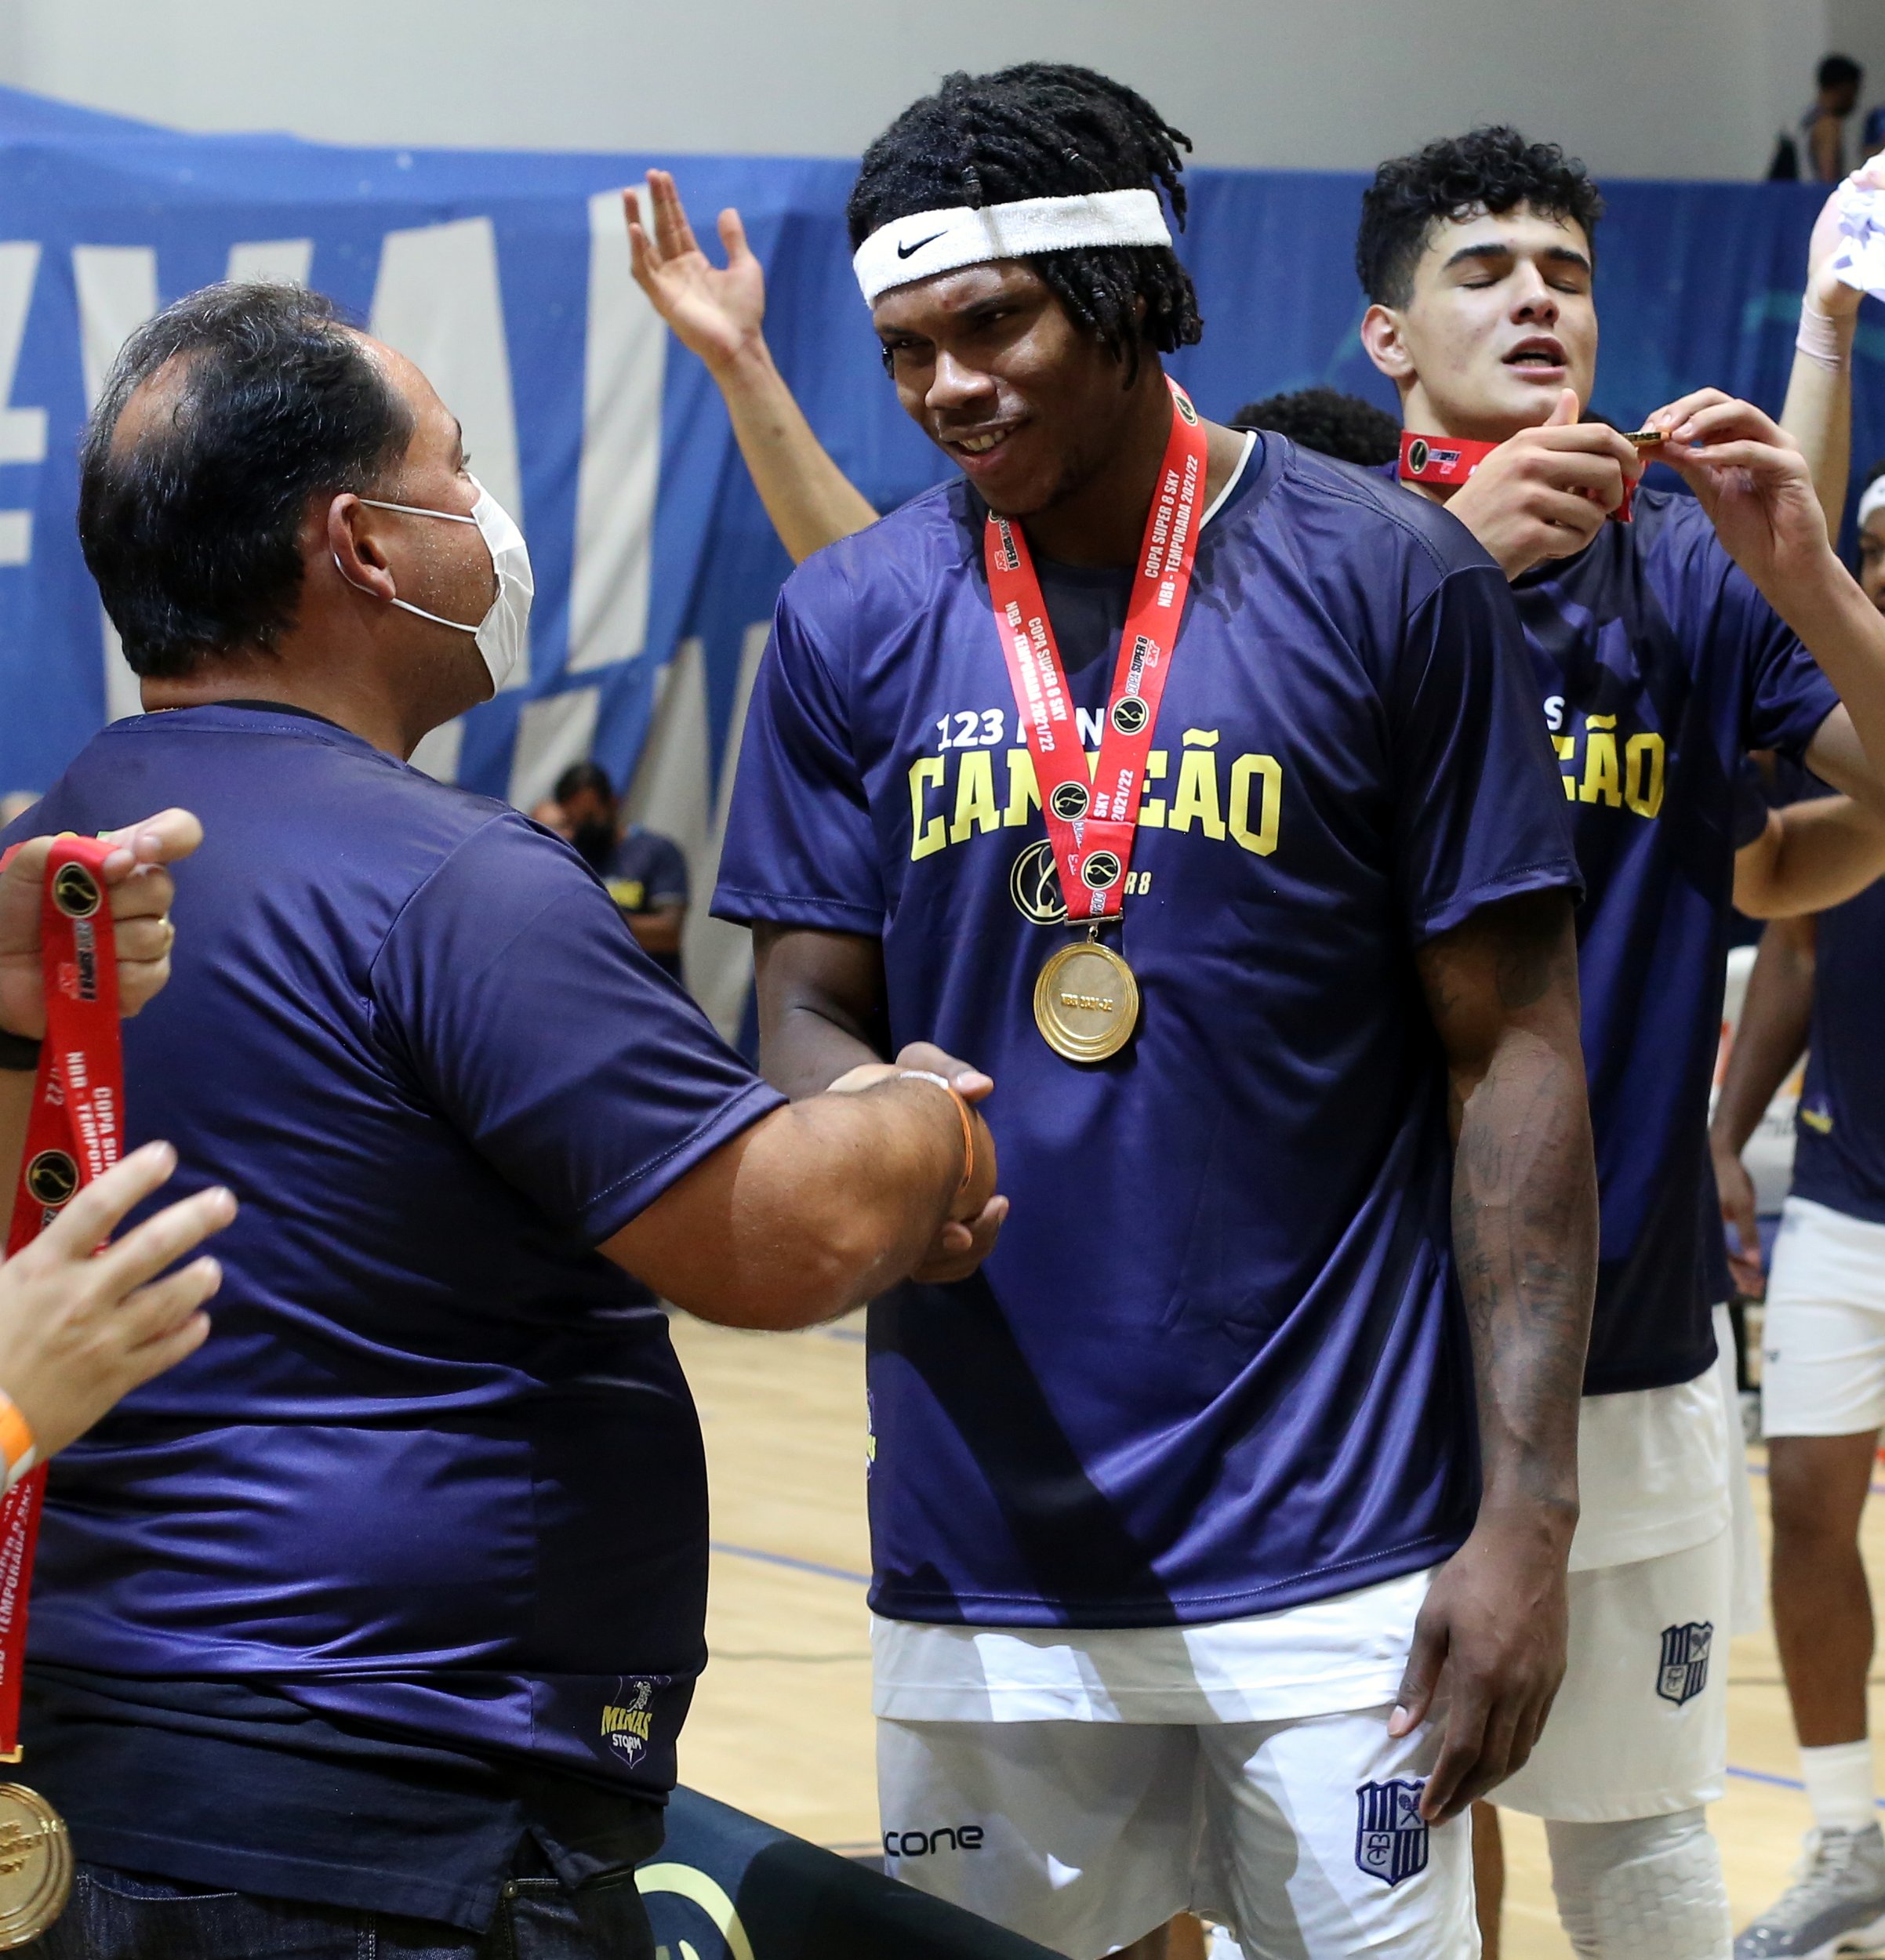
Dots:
(119, 1915)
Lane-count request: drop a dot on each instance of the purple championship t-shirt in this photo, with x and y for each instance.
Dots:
(1840, 1157)
(1217, 1363)
(1658, 665)
(436, 1470)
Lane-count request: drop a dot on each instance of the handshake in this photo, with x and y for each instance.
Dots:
(968, 1234)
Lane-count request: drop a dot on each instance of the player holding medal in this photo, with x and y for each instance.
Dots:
(1182, 1544)
(1659, 650)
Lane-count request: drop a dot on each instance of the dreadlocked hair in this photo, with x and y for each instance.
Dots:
(1046, 129)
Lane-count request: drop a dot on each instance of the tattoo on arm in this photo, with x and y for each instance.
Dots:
(1502, 991)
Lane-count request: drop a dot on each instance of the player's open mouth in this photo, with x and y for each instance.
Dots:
(1541, 351)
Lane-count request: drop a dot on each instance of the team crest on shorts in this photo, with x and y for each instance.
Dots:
(1684, 1672)
(1390, 1834)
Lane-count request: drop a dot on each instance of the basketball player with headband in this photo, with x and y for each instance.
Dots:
(1194, 782)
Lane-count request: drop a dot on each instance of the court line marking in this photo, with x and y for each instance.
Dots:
(790, 1564)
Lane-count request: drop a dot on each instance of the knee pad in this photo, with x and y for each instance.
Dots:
(1649, 1888)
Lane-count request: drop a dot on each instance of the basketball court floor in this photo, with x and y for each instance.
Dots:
(782, 1726)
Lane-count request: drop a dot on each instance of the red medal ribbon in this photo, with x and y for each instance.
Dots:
(75, 1133)
(1091, 816)
(1450, 460)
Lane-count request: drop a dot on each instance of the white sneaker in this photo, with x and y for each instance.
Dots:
(1835, 1905)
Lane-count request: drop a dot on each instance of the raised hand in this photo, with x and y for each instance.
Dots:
(141, 891)
(1750, 477)
(715, 311)
(1545, 492)
(1825, 290)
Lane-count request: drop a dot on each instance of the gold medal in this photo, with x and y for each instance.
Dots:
(35, 1865)
(1086, 1002)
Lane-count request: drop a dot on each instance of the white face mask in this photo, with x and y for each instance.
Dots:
(503, 633)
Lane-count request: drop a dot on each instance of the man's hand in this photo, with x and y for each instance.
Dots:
(141, 891)
(714, 312)
(1487, 1656)
(1749, 474)
(968, 1238)
(1736, 1190)
(77, 1332)
(1826, 291)
(1545, 493)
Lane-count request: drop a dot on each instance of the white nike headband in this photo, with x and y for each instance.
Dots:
(1873, 501)
(927, 242)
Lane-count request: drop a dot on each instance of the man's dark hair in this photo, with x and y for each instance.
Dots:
(1489, 169)
(1329, 422)
(192, 527)
(1840, 71)
(1045, 129)
(581, 776)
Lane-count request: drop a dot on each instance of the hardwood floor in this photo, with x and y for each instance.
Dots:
(781, 1725)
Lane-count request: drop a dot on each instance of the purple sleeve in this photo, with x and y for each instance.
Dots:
(1788, 696)
(1750, 819)
(800, 846)
(1481, 813)
(1784, 697)
(512, 989)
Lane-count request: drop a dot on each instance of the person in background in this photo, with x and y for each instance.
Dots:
(1823, 126)
(16, 803)
(1814, 988)
(645, 873)
(1331, 423)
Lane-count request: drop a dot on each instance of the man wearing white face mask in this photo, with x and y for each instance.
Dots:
(373, 1623)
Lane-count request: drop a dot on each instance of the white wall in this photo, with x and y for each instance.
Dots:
(1654, 88)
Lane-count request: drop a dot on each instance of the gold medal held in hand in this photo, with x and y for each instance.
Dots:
(1086, 1002)
(35, 1865)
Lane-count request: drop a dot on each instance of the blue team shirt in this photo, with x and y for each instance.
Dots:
(436, 1470)
(1658, 665)
(1217, 1363)
(1838, 1159)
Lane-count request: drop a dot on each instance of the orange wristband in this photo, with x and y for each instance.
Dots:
(16, 1443)
(968, 1127)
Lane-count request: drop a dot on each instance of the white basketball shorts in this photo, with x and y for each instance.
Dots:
(1823, 1345)
(1303, 1835)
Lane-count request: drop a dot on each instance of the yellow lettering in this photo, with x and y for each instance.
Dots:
(1152, 809)
(925, 839)
(1567, 746)
(1197, 793)
(1600, 773)
(1643, 774)
(1599, 721)
(1023, 791)
(975, 795)
(1261, 839)
(1200, 737)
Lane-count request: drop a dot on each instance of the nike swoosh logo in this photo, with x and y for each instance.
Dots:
(910, 251)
